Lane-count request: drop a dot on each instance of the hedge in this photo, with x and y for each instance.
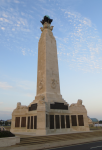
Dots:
(6, 134)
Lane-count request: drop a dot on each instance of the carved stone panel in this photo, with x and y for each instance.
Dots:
(57, 105)
(33, 107)
(74, 120)
(31, 122)
(23, 122)
(67, 121)
(41, 84)
(62, 121)
(28, 125)
(17, 122)
(80, 120)
(51, 121)
(53, 83)
(35, 122)
(57, 121)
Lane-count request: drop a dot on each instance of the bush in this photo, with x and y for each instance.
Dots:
(6, 134)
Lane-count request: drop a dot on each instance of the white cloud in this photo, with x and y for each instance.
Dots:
(80, 39)
(13, 29)
(87, 22)
(75, 35)
(2, 28)
(16, 1)
(4, 15)
(23, 52)
(5, 20)
(4, 85)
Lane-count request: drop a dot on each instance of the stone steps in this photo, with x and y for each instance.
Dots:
(57, 138)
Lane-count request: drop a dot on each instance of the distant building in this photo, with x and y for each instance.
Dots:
(9, 120)
(92, 121)
(95, 120)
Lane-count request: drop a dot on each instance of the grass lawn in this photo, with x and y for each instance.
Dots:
(95, 128)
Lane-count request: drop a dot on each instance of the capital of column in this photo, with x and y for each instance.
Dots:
(46, 26)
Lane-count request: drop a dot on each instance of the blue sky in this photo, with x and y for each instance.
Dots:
(78, 32)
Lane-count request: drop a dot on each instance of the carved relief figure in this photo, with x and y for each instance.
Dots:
(42, 99)
(19, 106)
(41, 84)
(79, 103)
(53, 83)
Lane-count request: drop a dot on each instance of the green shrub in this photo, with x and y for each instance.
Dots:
(6, 134)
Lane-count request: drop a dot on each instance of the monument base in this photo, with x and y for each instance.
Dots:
(44, 118)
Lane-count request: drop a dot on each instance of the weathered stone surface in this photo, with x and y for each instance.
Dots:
(48, 95)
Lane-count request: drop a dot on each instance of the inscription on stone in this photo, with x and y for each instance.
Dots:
(51, 121)
(80, 120)
(17, 122)
(57, 120)
(57, 105)
(62, 121)
(33, 107)
(23, 122)
(31, 122)
(74, 120)
(35, 122)
(28, 125)
(67, 121)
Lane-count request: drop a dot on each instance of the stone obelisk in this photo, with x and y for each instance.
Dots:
(48, 74)
(48, 86)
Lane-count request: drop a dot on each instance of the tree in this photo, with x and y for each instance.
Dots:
(6, 123)
(1, 123)
(100, 122)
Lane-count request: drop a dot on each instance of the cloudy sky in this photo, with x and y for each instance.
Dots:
(78, 32)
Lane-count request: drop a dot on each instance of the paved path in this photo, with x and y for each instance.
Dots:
(73, 141)
(88, 146)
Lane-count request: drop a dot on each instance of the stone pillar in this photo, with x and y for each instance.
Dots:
(26, 121)
(20, 121)
(60, 120)
(12, 123)
(65, 120)
(41, 119)
(70, 121)
(77, 120)
(54, 122)
(30, 122)
(33, 122)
